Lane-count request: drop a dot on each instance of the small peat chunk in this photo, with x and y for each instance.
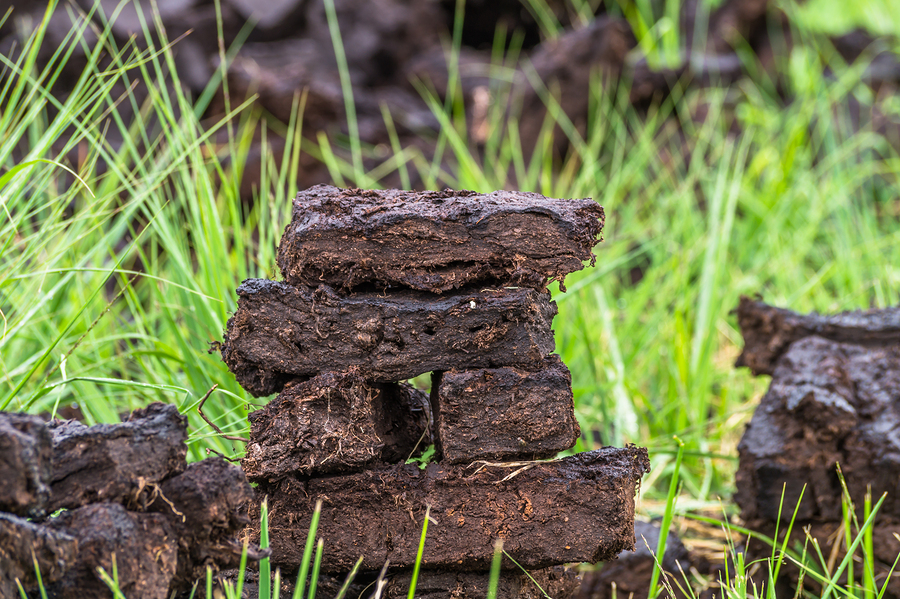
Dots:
(335, 422)
(116, 462)
(435, 241)
(281, 331)
(207, 507)
(769, 331)
(25, 453)
(556, 582)
(580, 508)
(144, 548)
(21, 542)
(504, 413)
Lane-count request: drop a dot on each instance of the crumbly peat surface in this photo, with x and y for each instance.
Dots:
(435, 241)
(334, 422)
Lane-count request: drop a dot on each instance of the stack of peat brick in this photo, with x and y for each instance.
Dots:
(385, 286)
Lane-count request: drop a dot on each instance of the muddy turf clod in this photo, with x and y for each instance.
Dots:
(383, 286)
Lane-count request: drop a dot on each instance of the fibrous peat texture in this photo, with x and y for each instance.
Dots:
(579, 508)
(334, 422)
(207, 507)
(828, 403)
(144, 547)
(435, 241)
(129, 493)
(504, 413)
(280, 332)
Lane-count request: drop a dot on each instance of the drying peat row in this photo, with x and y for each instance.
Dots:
(133, 507)
(383, 286)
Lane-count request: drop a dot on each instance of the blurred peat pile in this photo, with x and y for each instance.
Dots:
(834, 400)
(381, 287)
(131, 506)
(395, 49)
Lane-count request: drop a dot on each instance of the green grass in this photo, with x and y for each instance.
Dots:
(111, 290)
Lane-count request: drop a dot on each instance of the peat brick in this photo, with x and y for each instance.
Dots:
(335, 422)
(21, 542)
(207, 508)
(116, 462)
(435, 241)
(25, 452)
(280, 331)
(144, 547)
(769, 331)
(556, 582)
(579, 508)
(504, 413)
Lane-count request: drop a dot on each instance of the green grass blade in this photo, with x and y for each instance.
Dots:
(411, 593)
(494, 578)
(300, 585)
(265, 568)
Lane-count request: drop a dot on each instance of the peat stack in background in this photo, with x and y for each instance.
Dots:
(834, 400)
(383, 286)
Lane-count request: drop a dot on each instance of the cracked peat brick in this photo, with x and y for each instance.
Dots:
(435, 240)
(280, 332)
(334, 422)
(504, 413)
(206, 506)
(575, 509)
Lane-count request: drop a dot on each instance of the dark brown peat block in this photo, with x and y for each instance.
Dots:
(834, 399)
(115, 462)
(25, 454)
(281, 332)
(576, 509)
(21, 543)
(435, 241)
(504, 413)
(769, 331)
(828, 403)
(334, 422)
(144, 547)
(207, 509)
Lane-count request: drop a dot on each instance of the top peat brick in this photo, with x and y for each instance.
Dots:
(435, 241)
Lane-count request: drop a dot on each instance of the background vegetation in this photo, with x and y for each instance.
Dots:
(118, 266)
